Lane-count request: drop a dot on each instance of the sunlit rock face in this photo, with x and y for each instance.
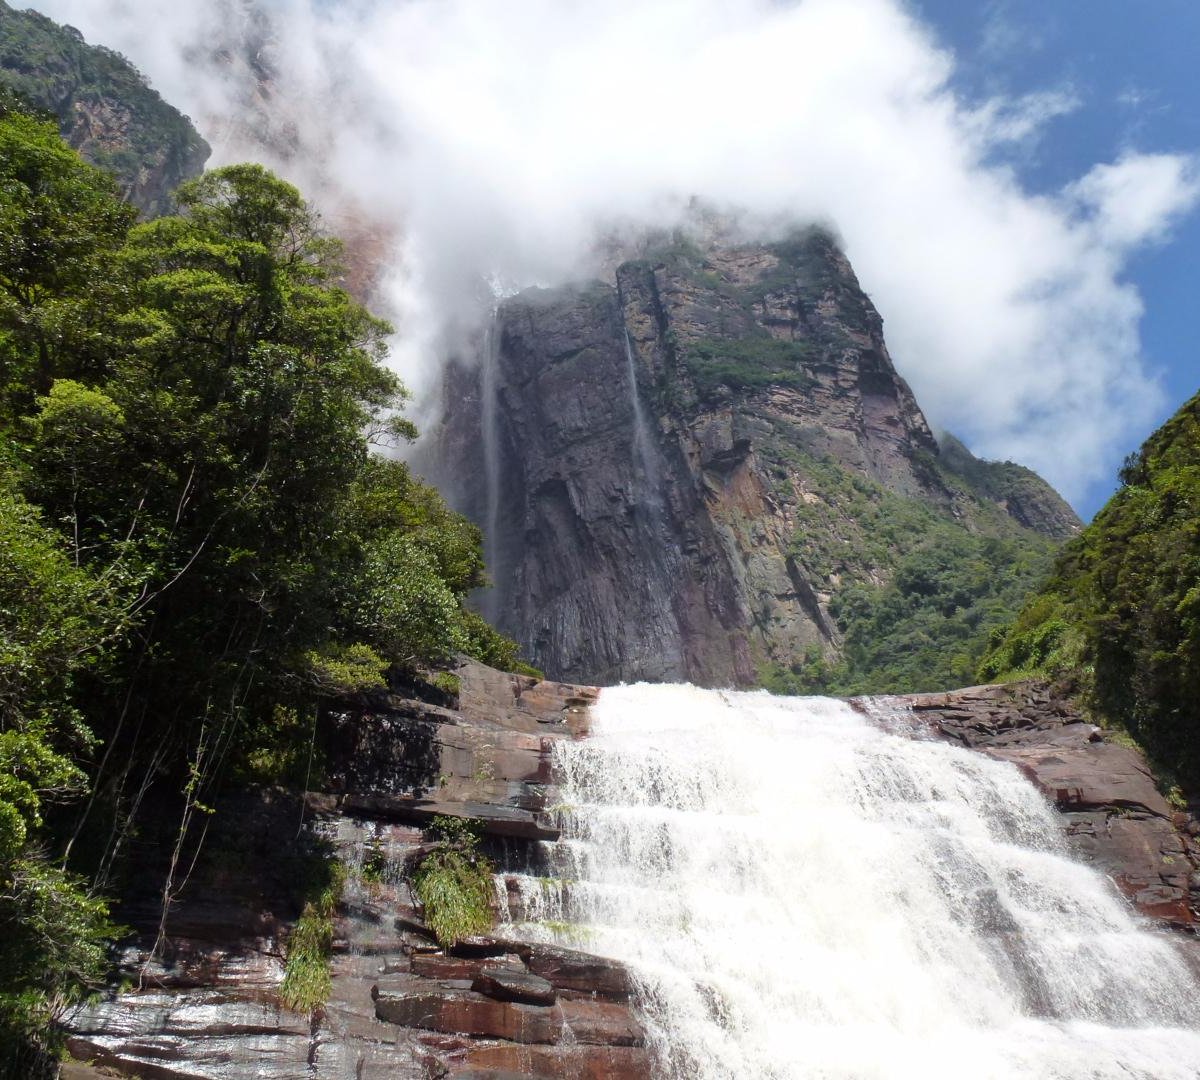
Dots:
(656, 461)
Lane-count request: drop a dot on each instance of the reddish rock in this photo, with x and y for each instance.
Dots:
(568, 969)
(567, 1063)
(437, 966)
(508, 985)
(468, 1013)
(1086, 777)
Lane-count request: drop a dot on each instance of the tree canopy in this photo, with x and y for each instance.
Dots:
(1120, 615)
(199, 544)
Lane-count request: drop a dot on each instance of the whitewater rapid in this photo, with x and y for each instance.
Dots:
(802, 893)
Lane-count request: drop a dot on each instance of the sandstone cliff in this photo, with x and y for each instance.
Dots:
(682, 470)
(105, 109)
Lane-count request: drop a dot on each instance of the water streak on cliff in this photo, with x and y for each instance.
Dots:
(806, 892)
(489, 433)
(646, 466)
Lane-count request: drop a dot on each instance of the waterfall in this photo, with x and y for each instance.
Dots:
(644, 459)
(804, 892)
(489, 381)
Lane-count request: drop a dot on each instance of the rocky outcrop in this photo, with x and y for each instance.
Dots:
(1114, 814)
(663, 464)
(206, 1002)
(104, 107)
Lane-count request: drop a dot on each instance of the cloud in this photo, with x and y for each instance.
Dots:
(1137, 199)
(500, 138)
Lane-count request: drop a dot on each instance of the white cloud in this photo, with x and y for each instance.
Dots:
(501, 136)
(1136, 199)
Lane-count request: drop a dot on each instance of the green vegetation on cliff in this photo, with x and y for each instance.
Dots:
(199, 548)
(1121, 613)
(915, 589)
(907, 552)
(103, 104)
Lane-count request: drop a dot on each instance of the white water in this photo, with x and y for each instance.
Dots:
(803, 894)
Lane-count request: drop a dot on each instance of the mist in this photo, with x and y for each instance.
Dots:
(470, 141)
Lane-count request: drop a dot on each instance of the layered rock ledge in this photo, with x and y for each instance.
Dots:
(207, 1005)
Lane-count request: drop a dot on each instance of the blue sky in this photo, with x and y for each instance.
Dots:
(1134, 70)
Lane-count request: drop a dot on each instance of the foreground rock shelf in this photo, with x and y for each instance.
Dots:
(401, 1007)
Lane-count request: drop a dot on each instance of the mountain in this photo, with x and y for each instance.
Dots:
(104, 106)
(1120, 617)
(707, 468)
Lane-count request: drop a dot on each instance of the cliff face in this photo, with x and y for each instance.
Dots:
(105, 109)
(678, 471)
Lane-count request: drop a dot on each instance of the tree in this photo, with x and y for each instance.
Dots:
(60, 223)
(55, 622)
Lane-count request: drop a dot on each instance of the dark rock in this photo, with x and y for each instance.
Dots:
(508, 985)
(497, 1074)
(655, 450)
(568, 969)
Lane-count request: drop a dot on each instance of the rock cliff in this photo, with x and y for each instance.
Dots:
(680, 470)
(105, 109)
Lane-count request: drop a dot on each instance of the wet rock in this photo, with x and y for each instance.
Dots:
(569, 969)
(509, 985)
(567, 1063)
(470, 1013)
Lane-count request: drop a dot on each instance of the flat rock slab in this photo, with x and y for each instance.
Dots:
(497, 1074)
(566, 1062)
(470, 1013)
(569, 969)
(1081, 778)
(507, 985)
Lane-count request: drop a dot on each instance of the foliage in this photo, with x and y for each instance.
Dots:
(55, 622)
(748, 364)
(60, 226)
(1121, 612)
(915, 593)
(454, 883)
(199, 551)
(307, 981)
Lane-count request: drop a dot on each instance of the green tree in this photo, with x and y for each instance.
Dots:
(56, 621)
(1120, 616)
(60, 223)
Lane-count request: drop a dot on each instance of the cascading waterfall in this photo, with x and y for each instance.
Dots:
(804, 893)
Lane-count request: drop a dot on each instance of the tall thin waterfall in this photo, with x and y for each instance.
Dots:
(489, 390)
(803, 893)
(644, 458)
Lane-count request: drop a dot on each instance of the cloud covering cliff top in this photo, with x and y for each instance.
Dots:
(503, 137)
